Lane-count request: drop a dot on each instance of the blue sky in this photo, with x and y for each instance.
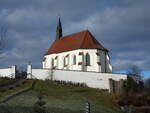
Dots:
(122, 26)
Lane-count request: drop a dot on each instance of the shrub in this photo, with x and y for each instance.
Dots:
(39, 105)
(130, 85)
(69, 83)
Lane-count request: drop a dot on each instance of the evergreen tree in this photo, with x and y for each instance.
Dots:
(39, 105)
(130, 85)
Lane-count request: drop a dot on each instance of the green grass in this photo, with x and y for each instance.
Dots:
(8, 92)
(2, 80)
(62, 99)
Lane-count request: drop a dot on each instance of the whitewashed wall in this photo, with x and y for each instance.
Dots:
(39, 74)
(59, 60)
(92, 79)
(8, 72)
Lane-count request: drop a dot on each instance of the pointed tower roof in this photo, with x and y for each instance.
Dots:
(80, 40)
(59, 23)
(59, 30)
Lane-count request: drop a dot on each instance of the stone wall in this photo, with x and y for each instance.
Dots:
(91, 79)
(9, 72)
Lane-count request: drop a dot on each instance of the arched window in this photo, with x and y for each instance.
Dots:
(87, 59)
(74, 59)
(52, 62)
(64, 61)
(56, 61)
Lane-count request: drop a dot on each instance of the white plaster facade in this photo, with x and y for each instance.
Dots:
(99, 60)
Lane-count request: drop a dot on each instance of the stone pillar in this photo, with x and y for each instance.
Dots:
(29, 71)
(13, 71)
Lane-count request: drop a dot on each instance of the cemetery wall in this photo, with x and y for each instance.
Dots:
(8, 72)
(91, 79)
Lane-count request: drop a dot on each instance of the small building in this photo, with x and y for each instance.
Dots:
(79, 51)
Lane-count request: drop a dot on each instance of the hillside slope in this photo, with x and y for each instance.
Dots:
(61, 99)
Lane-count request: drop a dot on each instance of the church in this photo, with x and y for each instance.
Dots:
(77, 52)
(77, 58)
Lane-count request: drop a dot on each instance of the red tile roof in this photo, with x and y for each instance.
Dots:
(80, 40)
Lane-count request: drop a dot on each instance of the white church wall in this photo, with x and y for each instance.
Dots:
(108, 65)
(102, 60)
(8, 72)
(92, 79)
(105, 62)
(80, 60)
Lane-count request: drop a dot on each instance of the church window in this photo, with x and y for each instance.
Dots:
(64, 61)
(56, 61)
(74, 59)
(52, 63)
(87, 59)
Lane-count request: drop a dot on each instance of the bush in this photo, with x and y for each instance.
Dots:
(131, 86)
(69, 83)
(39, 105)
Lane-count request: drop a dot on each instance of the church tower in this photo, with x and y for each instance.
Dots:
(59, 30)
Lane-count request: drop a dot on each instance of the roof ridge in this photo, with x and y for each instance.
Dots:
(73, 33)
(94, 39)
(84, 38)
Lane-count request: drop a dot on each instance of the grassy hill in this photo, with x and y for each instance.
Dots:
(12, 90)
(61, 99)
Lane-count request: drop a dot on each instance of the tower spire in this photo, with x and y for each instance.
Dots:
(59, 30)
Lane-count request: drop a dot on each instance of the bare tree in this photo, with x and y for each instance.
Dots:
(51, 75)
(135, 70)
